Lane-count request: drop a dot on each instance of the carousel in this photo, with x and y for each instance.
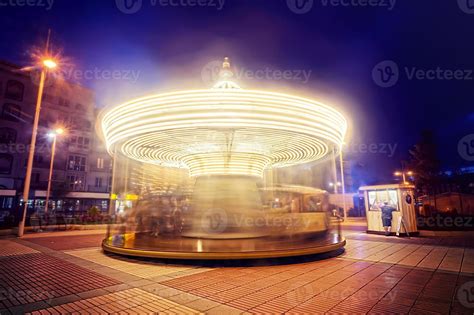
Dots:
(200, 174)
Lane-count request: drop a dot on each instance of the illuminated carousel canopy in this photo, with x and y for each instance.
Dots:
(225, 130)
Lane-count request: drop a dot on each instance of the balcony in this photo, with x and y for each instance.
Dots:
(103, 189)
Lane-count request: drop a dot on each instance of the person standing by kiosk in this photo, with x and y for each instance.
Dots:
(387, 217)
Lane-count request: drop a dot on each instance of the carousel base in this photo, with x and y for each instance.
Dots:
(176, 247)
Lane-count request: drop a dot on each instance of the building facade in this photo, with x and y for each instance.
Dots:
(82, 167)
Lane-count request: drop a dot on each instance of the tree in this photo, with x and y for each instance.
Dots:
(424, 162)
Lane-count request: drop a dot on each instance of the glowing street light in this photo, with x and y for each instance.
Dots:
(47, 65)
(54, 135)
(50, 64)
(403, 174)
(338, 184)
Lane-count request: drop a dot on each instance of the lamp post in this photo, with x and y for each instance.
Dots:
(54, 135)
(46, 65)
(338, 184)
(403, 174)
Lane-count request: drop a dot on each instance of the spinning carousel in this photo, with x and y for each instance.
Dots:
(197, 174)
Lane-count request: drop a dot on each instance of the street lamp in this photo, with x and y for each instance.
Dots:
(54, 135)
(403, 174)
(50, 64)
(47, 65)
(338, 184)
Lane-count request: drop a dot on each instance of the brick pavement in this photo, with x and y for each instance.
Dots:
(38, 277)
(375, 275)
(78, 241)
(8, 248)
(130, 301)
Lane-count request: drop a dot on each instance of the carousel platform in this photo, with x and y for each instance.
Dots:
(177, 247)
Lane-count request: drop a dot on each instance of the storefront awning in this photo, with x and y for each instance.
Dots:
(7, 193)
(87, 195)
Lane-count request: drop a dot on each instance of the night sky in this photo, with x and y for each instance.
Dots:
(168, 46)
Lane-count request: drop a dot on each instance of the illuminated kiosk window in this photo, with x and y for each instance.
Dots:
(221, 173)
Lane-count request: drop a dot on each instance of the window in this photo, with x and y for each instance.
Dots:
(14, 90)
(38, 158)
(76, 182)
(100, 163)
(35, 177)
(76, 163)
(6, 202)
(87, 125)
(83, 142)
(80, 142)
(77, 123)
(11, 112)
(378, 197)
(98, 182)
(7, 135)
(6, 161)
(73, 123)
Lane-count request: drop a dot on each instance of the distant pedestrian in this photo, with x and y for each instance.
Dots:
(387, 217)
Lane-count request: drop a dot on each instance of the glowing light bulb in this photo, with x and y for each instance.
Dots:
(50, 64)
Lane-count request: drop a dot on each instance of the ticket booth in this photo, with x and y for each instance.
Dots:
(399, 196)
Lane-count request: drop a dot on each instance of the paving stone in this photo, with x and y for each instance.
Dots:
(202, 304)
(375, 275)
(64, 299)
(128, 301)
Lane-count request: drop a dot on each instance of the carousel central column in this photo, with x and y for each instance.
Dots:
(226, 206)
